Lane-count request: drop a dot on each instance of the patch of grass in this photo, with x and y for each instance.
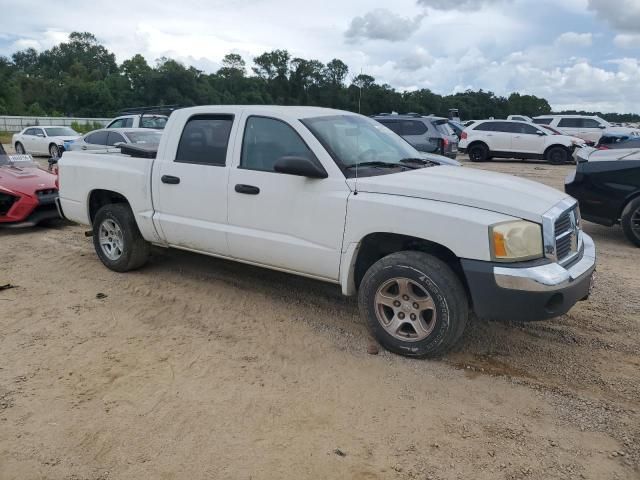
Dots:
(5, 137)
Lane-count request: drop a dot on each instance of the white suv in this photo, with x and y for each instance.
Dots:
(511, 139)
(589, 128)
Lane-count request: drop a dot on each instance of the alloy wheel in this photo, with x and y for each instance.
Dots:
(111, 239)
(405, 309)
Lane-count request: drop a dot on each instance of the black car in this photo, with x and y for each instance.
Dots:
(610, 141)
(607, 186)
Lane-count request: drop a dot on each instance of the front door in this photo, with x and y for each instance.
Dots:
(526, 139)
(190, 187)
(284, 221)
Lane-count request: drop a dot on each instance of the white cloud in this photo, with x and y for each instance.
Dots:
(622, 15)
(461, 4)
(627, 40)
(575, 39)
(497, 45)
(381, 24)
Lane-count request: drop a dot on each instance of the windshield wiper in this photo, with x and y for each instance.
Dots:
(421, 161)
(380, 165)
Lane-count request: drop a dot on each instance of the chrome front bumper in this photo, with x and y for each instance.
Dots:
(549, 277)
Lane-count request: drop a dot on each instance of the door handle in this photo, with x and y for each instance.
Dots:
(170, 179)
(247, 189)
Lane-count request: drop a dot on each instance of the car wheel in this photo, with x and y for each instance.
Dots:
(557, 155)
(631, 221)
(414, 304)
(20, 149)
(117, 239)
(54, 151)
(478, 152)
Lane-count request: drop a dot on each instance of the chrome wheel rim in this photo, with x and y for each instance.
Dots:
(20, 149)
(53, 151)
(635, 222)
(405, 309)
(111, 239)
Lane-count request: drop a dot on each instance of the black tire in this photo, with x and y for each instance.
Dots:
(478, 152)
(135, 249)
(450, 312)
(54, 151)
(630, 221)
(20, 148)
(557, 155)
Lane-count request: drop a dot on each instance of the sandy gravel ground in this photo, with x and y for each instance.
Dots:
(204, 369)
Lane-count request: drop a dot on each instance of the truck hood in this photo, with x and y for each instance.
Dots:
(496, 192)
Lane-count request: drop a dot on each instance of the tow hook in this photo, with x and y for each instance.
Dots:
(88, 233)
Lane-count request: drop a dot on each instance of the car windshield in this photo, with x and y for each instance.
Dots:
(354, 140)
(61, 132)
(144, 137)
(153, 121)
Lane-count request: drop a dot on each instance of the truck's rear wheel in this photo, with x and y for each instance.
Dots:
(117, 239)
(414, 304)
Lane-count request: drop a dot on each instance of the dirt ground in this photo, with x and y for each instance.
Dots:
(205, 369)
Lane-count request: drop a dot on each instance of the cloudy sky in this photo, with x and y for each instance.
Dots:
(576, 53)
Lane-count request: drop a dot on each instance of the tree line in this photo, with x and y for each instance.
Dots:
(80, 77)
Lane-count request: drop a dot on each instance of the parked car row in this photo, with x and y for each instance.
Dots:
(420, 242)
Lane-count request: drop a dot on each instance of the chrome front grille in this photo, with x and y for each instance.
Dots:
(561, 227)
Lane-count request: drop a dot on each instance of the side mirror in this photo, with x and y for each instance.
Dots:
(602, 126)
(41, 135)
(540, 132)
(301, 166)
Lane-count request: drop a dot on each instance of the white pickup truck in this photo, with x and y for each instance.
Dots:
(338, 197)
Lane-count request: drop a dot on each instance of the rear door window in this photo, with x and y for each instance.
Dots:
(486, 127)
(115, 137)
(205, 139)
(392, 125)
(570, 123)
(413, 127)
(590, 123)
(97, 138)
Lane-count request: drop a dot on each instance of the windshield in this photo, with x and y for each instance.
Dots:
(153, 121)
(352, 140)
(61, 132)
(144, 137)
(21, 161)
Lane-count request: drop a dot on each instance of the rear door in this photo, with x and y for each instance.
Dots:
(190, 184)
(113, 138)
(96, 140)
(416, 132)
(280, 220)
(575, 127)
(496, 135)
(526, 140)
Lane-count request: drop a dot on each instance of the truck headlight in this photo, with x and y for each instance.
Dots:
(515, 241)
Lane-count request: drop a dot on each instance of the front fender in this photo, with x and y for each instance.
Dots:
(463, 230)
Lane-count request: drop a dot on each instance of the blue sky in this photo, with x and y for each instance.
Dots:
(576, 53)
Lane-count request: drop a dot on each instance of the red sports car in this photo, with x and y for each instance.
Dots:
(27, 192)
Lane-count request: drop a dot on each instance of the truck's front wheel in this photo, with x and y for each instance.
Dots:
(414, 304)
(117, 239)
